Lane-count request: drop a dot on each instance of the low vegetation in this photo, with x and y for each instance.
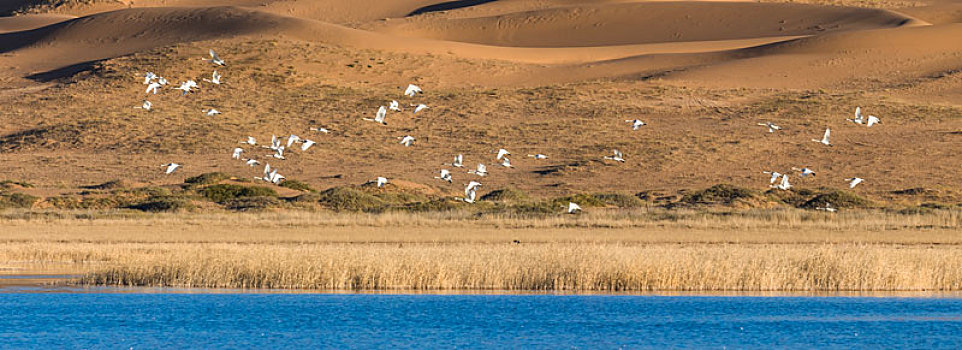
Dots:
(221, 191)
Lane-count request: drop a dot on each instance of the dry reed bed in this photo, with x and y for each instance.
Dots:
(594, 218)
(549, 266)
(538, 267)
(746, 251)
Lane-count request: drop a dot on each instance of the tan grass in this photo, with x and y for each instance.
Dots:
(758, 251)
(553, 266)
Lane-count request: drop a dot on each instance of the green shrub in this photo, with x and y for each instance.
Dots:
(17, 200)
(110, 185)
(583, 200)
(253, 203)
(434, 205)
(158, 205)
(619, 200)
(721, 193)
(351, 199)
(145, 191)
(73, 202)
(509, 194)
(838, 199)
(208, 178)
(221, 193)
(297, 185)
(540, 207)
(312, 197)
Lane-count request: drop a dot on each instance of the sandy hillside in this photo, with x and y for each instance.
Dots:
(557, 77)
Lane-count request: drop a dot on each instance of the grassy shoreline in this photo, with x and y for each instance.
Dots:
(605, 251)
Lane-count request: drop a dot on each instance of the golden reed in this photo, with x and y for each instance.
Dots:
(758, 252)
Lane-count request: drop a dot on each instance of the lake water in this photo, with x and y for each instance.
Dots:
(236, 320)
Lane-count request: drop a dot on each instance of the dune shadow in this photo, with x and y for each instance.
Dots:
(449, 5)
(62, 72)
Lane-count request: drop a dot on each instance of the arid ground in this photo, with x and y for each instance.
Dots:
(552, 77)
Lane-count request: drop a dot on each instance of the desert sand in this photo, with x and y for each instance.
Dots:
(557, 77)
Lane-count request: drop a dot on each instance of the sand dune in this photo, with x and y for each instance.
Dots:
(890, 56)
(28, 22)
(554, 76)
(645, 23)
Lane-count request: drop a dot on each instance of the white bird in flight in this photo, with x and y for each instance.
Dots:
(445, 176)
(149, 76)
(420, 107)
(271, 175)
(505, 162)
(503, 152)
(250, 141)
(872, 120)
(186, 87)
(275, 143)
(470, 191)
(784, 185)
(480, 171)
(147, 106)
(635, 123)
(858, 116)
(380, 181)
(573, 208)
(211, 112)
(854, 182)
(824, 139)
(412, 90)
(458, 161)
(267, 172)
(170, 168)
(214, 58)
(394, 106)
(771, 126)
(152, 87)
(775, 176)
(237, 153)
(214, 78)
(292, 139)
(278, 153)
(251, 162)
(538, 156)
(805, 171)
(324, 130)
(616, 156)
(407, 141)
(379, 117)
(306, 144)
(275, 178)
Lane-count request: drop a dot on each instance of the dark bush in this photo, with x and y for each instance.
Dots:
(208, 178)
(351, 199)
(221, 193)
(509, 194)
(721, 193)
(253, 203)
(17, 200)
(838, 199)
(159, 205)
(297, 185)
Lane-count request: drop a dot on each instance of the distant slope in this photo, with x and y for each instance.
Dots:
(645, 23)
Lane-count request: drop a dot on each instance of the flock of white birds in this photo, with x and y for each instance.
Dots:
(782, 179)
(278, 146)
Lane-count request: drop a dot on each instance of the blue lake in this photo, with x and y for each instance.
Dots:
(237, 320)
